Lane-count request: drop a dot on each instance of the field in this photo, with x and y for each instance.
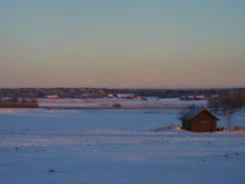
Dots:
(103, 103)
(115, 146)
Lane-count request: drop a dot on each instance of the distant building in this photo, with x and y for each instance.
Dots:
(110, 95)
(127, 96)
(20, 99)
(52, 96)
(84, 96)
(200, 98)
(199, 120)
(187, 98)
(190, 98)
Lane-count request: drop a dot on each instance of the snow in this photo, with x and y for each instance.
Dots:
(105, 146)
(109, 101)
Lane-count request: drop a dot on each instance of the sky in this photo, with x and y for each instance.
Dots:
(122, 43)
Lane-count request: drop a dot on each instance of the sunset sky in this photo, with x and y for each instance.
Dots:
(122, 43)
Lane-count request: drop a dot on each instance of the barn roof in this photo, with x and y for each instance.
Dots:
(194, 112)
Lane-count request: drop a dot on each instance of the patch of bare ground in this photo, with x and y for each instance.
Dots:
(18, 105)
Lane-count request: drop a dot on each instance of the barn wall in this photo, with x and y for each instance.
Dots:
(185, 124)
(204, 122)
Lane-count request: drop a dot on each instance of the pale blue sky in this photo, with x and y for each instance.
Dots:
(122, 43)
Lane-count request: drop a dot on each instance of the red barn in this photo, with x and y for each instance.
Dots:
(199, 120)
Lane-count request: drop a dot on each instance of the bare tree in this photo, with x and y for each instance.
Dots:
(228, 102)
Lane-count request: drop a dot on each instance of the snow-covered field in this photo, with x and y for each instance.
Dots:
(106, 146)
(109, 101)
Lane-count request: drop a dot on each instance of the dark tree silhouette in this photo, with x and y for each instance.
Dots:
(228, 102)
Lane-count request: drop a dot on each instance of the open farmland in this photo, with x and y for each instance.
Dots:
(108, 146)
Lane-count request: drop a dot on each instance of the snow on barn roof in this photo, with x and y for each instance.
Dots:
(194, 112)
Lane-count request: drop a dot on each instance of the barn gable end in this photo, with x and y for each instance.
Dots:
(199, 120)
